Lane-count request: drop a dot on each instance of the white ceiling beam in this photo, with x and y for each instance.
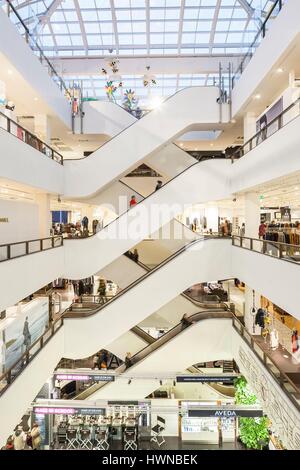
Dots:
(52, 8)
(248, 8)
(182, 6)
(81, 24)
(213, 26)
(114, 21)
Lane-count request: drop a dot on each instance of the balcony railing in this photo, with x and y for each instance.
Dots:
(272, 14)
(283, 251)
(23, 134)
(7, 378)
(284, 118)
(29, 247)
(290, 388)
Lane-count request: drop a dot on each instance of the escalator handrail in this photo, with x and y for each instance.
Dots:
(177, 329)
(146, 275)
(140, 202)
(138, 120)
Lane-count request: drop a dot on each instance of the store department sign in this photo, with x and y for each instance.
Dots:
(228, 413)
(86, 377)
(205, 378)
(283, 414)
(45, 410)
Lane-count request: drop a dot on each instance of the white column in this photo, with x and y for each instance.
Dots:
(249, 126)
(252, 222)
(42, 127)
(252, 214)
(45, 222)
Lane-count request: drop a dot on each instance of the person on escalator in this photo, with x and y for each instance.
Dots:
(135, 255)
(158, 185)
(128, 361)
(133, 202)
(186, 321)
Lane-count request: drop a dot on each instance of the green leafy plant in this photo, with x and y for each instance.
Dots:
(253, 431)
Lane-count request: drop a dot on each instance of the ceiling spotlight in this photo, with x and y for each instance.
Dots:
(211, 144)
(129, 381)
(279, 70)
(257, 97)
(35, 98)
(9, 72)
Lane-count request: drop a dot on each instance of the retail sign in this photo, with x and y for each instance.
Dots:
(205, 378)
(72, 377)
(103, 378)
(85, 377)
(54, 411)
(225, 413)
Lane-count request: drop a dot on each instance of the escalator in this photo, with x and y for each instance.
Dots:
(99, 390)
(79, 335)
(85, 177)
(80, 258)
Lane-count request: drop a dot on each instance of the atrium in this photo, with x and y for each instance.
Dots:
(149, 225)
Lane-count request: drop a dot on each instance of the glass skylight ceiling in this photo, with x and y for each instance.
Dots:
(143, 27)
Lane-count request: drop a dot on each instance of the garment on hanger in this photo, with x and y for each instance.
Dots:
(274, 339)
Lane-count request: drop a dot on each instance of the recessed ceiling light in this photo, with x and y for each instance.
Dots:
(279, 70)
(9, 72)
(35, 98)
(257, 97)
(296, 188)
(233, 121)
(181, 144)
(211, 144)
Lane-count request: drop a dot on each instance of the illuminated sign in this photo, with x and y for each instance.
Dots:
(54, 411)
(78, 377)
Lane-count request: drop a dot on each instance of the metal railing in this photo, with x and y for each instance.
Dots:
(70, 314)
(284, 118)
(273, 13)
(29, 138)
(284, 251)
(161, 341)
(291, 389)
(31, 41)
(18, 249)
(7, 378)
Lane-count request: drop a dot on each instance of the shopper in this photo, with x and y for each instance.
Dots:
(9, 444)
(243, 230)
(128, 360)
(262, 230)
(96, 362)
(133, 202)
(103, 359)
(36, 436)
(186, 321)
(85, 223)
(102, 287)
(135, 255)
(19, 439)
(26, 334)
(158, 185)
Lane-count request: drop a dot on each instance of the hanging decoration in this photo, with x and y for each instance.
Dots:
(130, 101)
(149, 79)
(110, 89)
